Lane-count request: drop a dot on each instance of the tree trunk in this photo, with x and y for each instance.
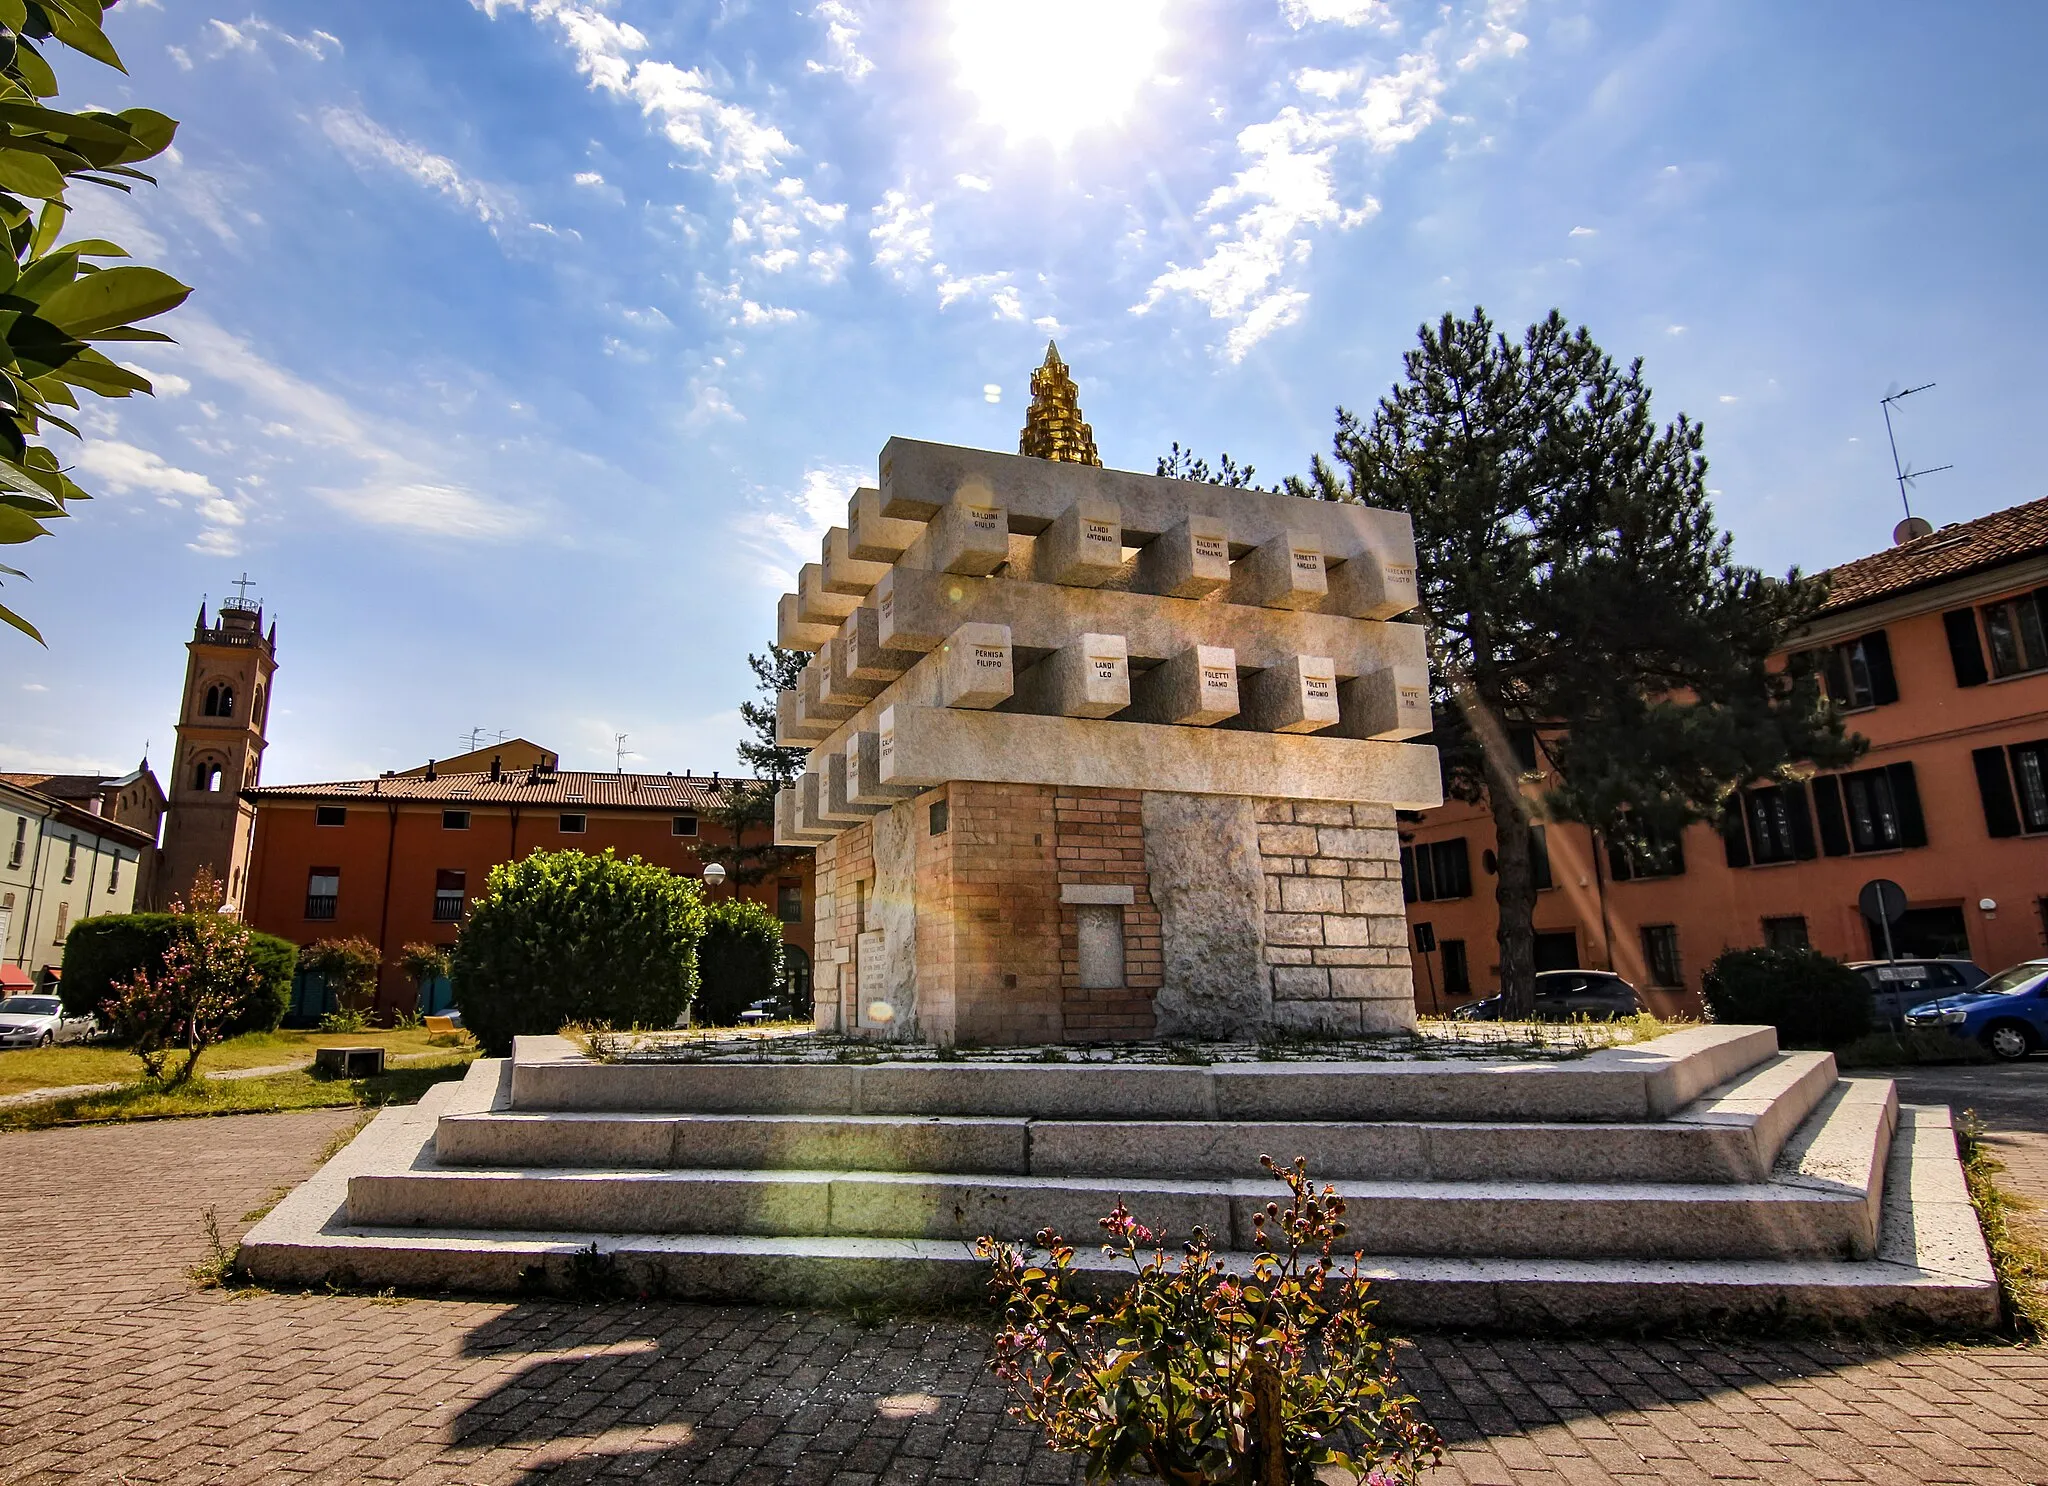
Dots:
(1514, 893)
(1269, 1432)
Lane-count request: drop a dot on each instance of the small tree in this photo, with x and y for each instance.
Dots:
(350, 967)
(749, 805)
(568, 937)
(1577, 588)
(1185, 464)
(423, 963)
(1812, 1000)
(739, 961)
(186, 1003)
(777, 671)
(1198, 1375)
(102, 951)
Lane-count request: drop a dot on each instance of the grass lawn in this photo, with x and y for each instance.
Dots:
(26, 1069)
(202, 1096)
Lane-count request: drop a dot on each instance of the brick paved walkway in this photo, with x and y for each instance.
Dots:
(114, 1368)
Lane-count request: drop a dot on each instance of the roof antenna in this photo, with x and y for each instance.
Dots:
(1913, 526)
(619, 747)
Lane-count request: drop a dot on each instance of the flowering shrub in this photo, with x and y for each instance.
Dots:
(186, 1003)
(1196, 1374)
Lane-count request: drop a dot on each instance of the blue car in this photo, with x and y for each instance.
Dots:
(2007, 1013)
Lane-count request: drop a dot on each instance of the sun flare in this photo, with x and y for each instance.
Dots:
(1053, 68)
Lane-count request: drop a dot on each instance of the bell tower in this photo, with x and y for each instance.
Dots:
(220, 748)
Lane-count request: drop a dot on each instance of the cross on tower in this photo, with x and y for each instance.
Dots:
(242, 585)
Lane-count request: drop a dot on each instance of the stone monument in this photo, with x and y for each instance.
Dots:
(1099, 755)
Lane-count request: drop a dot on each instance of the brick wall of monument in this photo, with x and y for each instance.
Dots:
(1336, 928)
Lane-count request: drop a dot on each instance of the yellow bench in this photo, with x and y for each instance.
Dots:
(440, 1024)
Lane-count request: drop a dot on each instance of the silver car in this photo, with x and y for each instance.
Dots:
(38, 1021)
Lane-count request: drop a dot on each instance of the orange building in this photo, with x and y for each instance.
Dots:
(1938, 651)
(396, 860)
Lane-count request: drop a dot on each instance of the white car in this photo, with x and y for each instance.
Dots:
(38, 1021)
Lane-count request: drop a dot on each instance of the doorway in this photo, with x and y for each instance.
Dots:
(1925, 934)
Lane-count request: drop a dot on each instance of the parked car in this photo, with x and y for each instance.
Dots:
(38, 1021)
(2007, 1013)
(1567, 996)
(1897, 986)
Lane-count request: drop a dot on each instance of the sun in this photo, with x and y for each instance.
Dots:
(1053, 68)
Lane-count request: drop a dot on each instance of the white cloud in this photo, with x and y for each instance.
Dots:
(1263, 221)
(1497, 35)
(786, 534)
(127, 469)
(1006, 304)
(33, 686)
(842, 42)
(366, 142)
(1729, 397)
(991, 392)
(974, 183)
(435, 509)
(752, 314)
(1674, 330)
(589, 178)
(1583, 232)
(1300, 13)
(249, 36)
(902, 234)
(167, 384)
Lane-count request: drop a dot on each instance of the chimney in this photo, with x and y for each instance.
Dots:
(430, 770)
(497, 767)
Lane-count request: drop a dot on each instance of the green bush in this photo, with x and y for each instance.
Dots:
(739, 961)
(112, 947)
(1812, 1000)
(568, 937)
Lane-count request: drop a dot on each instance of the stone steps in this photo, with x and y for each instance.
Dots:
(1734, 1134)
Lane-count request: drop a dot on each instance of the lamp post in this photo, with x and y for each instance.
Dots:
(713, 876)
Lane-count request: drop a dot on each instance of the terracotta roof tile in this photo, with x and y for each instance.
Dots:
(2002, 537)
(567, 788)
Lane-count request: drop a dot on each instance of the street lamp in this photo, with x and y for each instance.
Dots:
(713, 876)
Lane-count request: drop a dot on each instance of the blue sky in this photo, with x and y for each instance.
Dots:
(533, 341)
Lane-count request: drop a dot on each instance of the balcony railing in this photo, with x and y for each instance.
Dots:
(321, 905)
(447, 908)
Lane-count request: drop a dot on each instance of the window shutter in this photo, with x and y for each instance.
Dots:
(1877, 654)
(1677, 853)
(1800, 813)
(1539, 857)
(1834, 826)
(1619, 869)
(2001, 813)
(1732, 837)
(1906, 791)
(1425, 873)
(1965, 650)
(1454, 869)
(1408, 874)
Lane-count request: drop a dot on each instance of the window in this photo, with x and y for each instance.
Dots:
(1771, 824)
(454, 820)
(2013, 783)
(323, 891)
(256, 713)
(330, 815)
(1858, 672)
(1786, 932)
(227, 701)
(448, 896)
(1457, 974)
(63, 922)
(789, 901)
(114, 874)
(1557, 950)
(1869, 810)
(1539, 858)
(71, 860)
(20, 841)
(1432, 871)
(212, 708)
(683, 825)
(939, 817)
(2015, 629)
(1660, 955)
(1638, 849)
(1522, 742)
(206, 776)
(575, 825)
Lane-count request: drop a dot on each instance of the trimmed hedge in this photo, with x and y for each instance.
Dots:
(113, 946)
(564, 937)
(1813, 1001)
(739, 961)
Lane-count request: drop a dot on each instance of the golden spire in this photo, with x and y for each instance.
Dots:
(1052, 425)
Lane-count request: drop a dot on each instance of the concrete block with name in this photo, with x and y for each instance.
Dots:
(977, 670)
(1370, 585)
(792, 728)
(815, 604)
(1197, 688)
(810, 690)
(836, 684)
(839, 796)
(1297, 696)
(1283, 573)
(1084, 548)
(1088, 677)
(787, 832)
(1389, 703)
(969, 535)
(866, 657)
(791, 632)
(873, 537)
(864, 785)
(1189, 561)
(845, 573)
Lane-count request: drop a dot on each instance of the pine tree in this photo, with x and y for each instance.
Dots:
(777, 671)
(746, 804)
(1576, 585)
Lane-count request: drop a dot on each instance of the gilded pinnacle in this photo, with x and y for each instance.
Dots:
(1052, 425)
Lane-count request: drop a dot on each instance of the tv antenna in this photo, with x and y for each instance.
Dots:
(1913, 526)
(475, 737)
(623, 752)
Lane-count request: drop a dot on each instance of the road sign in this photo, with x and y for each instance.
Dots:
(1882, 901)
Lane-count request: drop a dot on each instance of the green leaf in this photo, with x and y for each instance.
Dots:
(8, 616)
(152, 130)
(28, 174)
(13, 14)
(79, 29)
(17, 527)
(48, 228)
(35, 72)
(89, 125)
(133, 333)
(44, 274)
(111, 298)
(95, 247)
